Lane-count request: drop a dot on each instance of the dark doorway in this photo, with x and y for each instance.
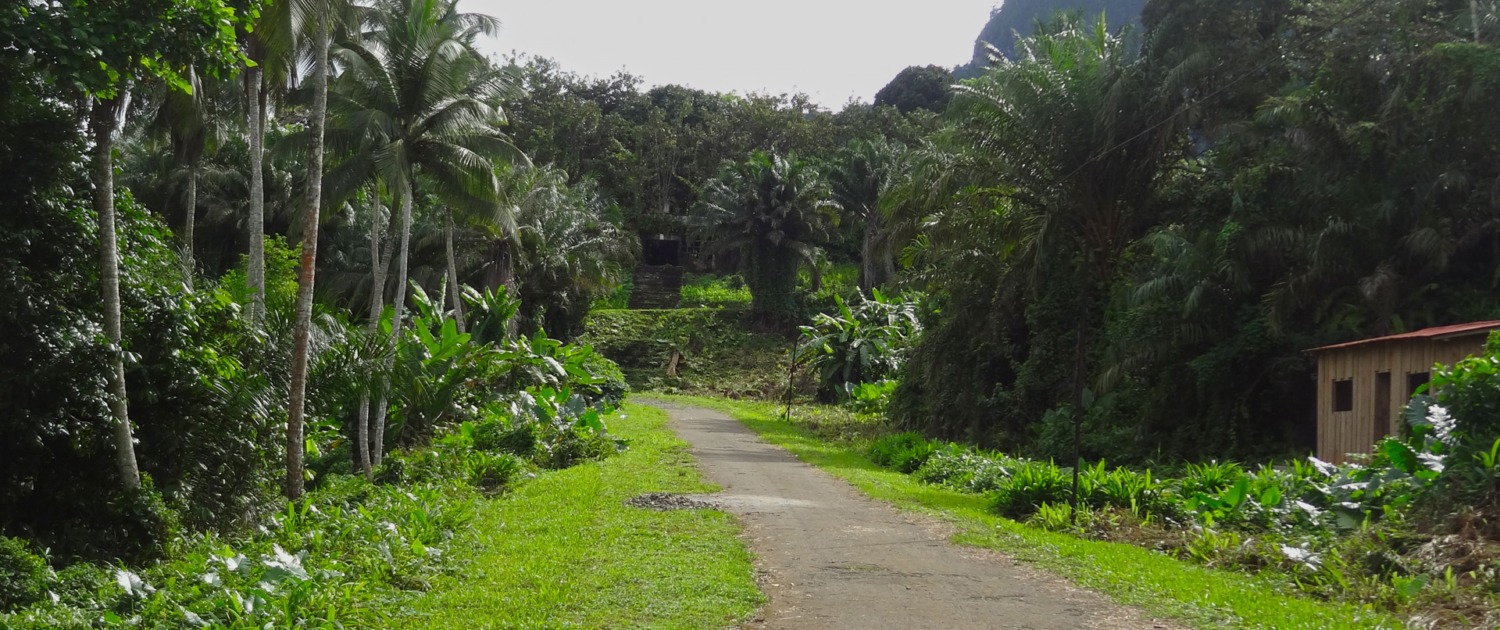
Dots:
(660, 250)
(1382, 405)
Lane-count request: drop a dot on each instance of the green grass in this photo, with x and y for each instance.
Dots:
(1163, 586)
(564, 551)
(709, 290)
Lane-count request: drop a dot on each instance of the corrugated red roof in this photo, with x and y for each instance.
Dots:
(1437, 333)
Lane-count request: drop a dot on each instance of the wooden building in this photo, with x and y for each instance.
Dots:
(1364, 385)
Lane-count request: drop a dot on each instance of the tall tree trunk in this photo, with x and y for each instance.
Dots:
(377, 452)
(255, 276)
(189, 225)
(306, 274)
(1474, 18)
(377, 304)
(104, 120)
(871, 271)
(453, 288)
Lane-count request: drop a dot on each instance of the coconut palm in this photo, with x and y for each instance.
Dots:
(255, 116)
(103, 122)
(270, 47)
(774, 210)
(414, 102)
(324, 17)
(193, 129)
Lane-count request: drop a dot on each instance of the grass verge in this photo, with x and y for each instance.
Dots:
(564, 551)
(1163, 586)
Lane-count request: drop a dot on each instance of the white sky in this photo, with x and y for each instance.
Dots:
(830, 49)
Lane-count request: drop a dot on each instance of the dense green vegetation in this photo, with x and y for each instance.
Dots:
(341, 555)
(203, 435)
(279, 273)
(1175, 258)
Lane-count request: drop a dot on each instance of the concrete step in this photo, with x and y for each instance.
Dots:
(657, 287)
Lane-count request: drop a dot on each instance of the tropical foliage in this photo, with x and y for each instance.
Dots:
(773, 211)
(860, 344)
(332, 284)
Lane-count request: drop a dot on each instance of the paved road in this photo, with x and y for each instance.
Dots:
(831, 558)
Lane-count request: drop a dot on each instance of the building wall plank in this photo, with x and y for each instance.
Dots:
(1354, 431)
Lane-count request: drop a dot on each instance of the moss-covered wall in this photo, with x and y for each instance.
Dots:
(717, 354)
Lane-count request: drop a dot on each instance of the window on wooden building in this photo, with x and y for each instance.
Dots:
(1343, 395)
(1415, 380)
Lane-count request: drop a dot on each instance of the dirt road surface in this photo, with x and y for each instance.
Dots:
(829, 557)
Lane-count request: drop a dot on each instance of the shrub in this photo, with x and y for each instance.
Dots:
(1457, 421)
(965, 470)
(1209, 478)
(1033, 484)
(864, 342)
(444, 464)
(495, 436)
(1058, 517)
(139, 521)
(990, 474)
(869, 398)
(610, 385)
(491, 472)
(1470, 389)
(903, 452)
(569, 447)
(1124, 488)
(317, 563)
(1212, 546)
(948, 466)
(23, 574)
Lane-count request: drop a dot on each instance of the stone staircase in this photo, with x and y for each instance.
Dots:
(656, 287)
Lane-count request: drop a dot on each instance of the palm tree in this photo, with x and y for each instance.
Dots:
(323, 21)
(186, 119)
(103, 121)
(255, 131)
(271, 49)
(567, 250)
(1075, 128)
(415, 100)
(1071, 125)
(861, 178)
(775, 211)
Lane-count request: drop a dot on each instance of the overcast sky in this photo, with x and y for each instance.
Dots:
(830, 49)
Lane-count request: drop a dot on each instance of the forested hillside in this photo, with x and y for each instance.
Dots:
(1271, 177)
(1020, 17)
